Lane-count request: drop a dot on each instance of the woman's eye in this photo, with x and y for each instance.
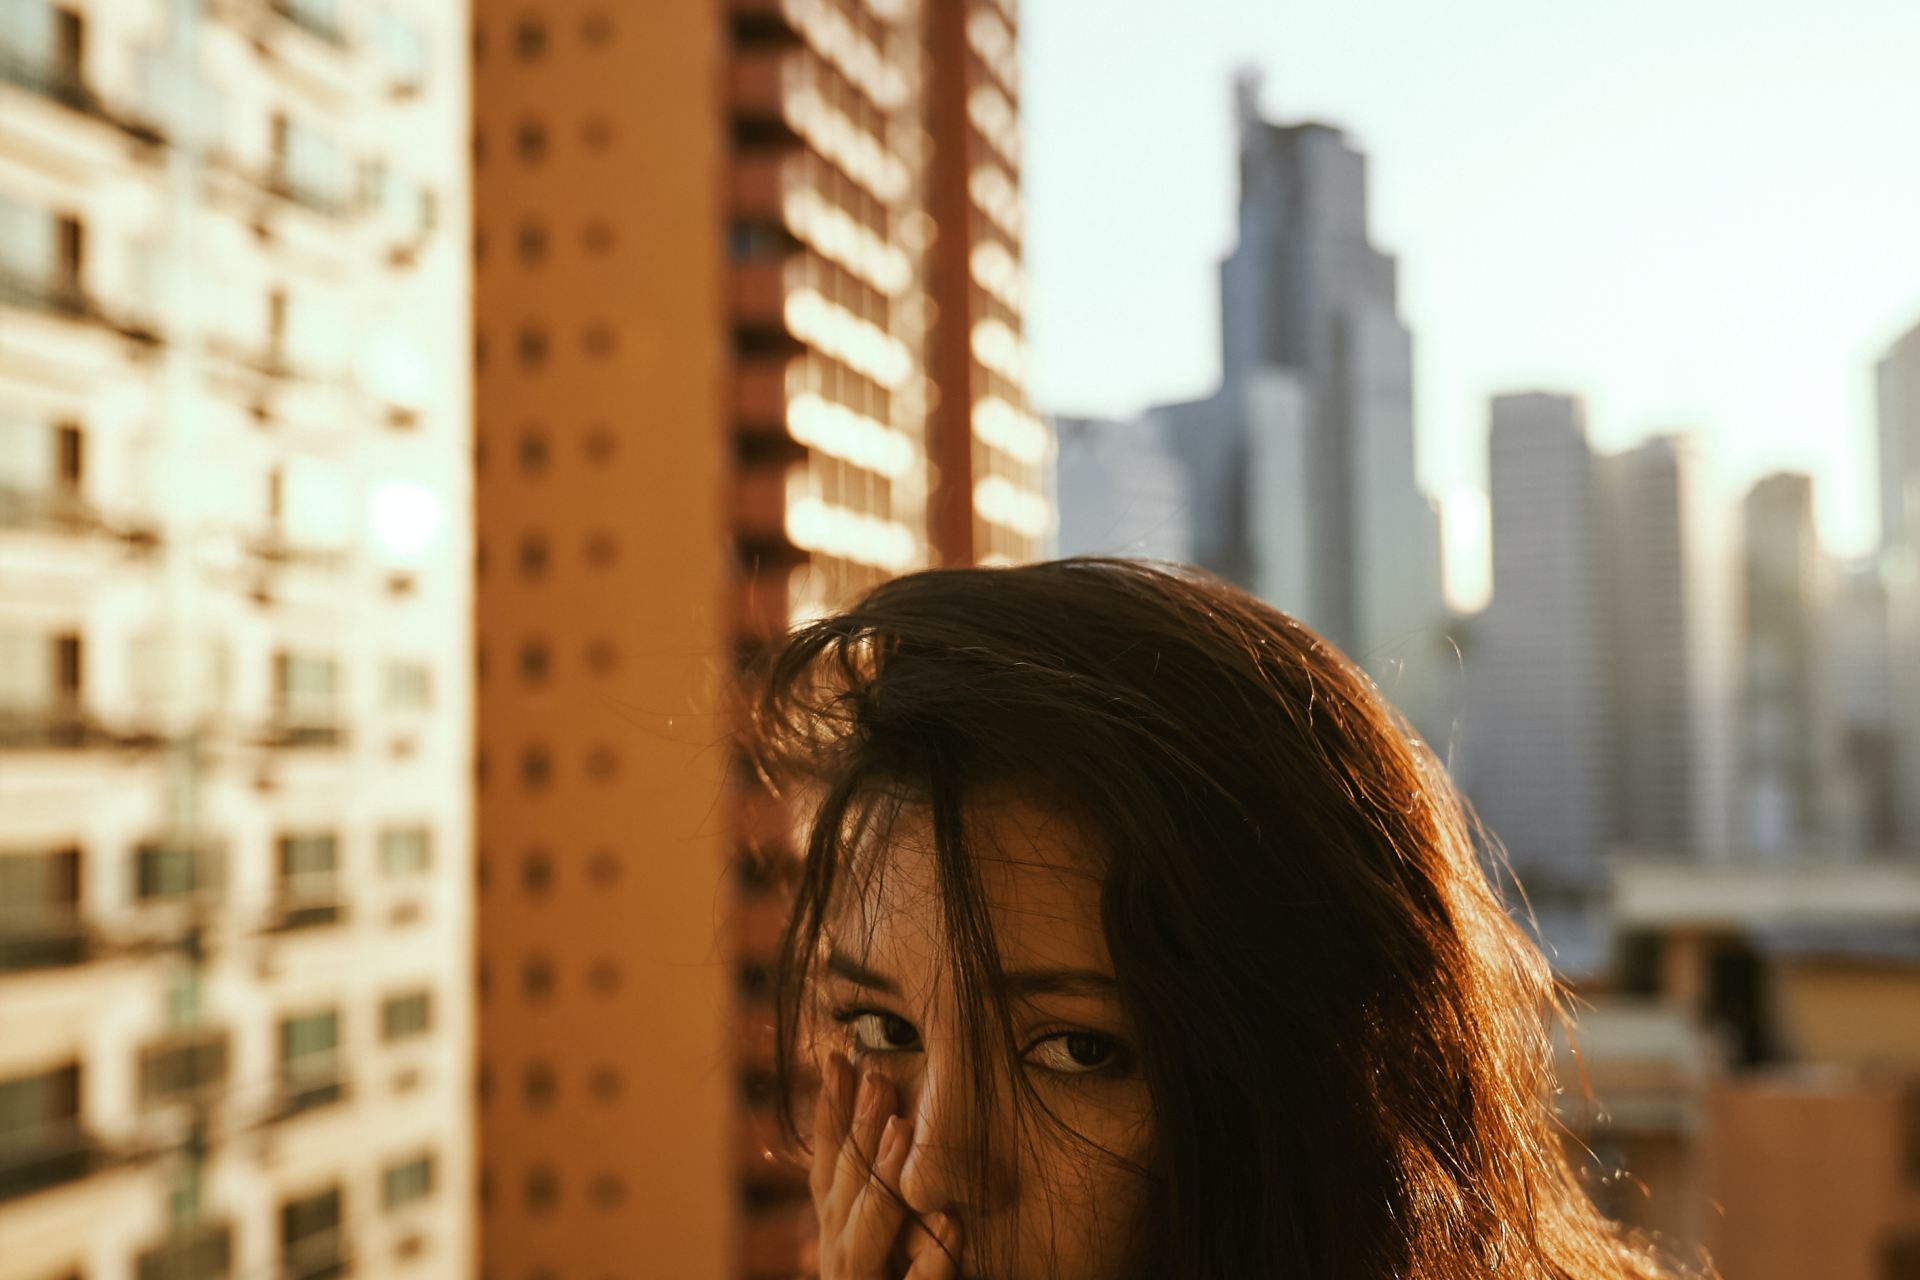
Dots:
(881, 1032)
(1076, 1052)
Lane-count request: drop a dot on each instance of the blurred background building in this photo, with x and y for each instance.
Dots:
(234, 601)
(749, 341)
(739, 332)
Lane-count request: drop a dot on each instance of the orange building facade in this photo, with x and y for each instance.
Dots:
(748, 342)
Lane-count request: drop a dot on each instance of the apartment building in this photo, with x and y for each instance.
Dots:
(748, 341)
(234, 667)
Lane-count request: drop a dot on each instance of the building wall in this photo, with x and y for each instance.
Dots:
(1812, 1178)
(233, 418)
(748, 345)
(606, 1089)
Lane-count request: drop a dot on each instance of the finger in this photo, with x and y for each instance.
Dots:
(871, 1109)
(830, 1116)
(941, 1258)
(878, 1211)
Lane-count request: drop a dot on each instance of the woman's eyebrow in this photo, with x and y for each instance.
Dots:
(1020, 982)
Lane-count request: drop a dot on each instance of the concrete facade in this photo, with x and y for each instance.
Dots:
(235, 936)
(749, 342)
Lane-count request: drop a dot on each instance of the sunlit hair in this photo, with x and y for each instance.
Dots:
(1343, 1033)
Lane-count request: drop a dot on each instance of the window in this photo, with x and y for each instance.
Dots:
(306, 692)
(406, 851)
(409, 686)
(41, 1142)
(407, 1015)
(72, 243)
(38, 672)
(407, 1181)
(40, 910)
(38, 461)
(69, 46)
(203, 1252)
(69, 456)
(310, 1237)
(310, 1060)
(183, 1066)
(309, 878)
(309, 167)
(168, 869)
(402, 47)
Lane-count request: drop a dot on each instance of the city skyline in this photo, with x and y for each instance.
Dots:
(1133, 153)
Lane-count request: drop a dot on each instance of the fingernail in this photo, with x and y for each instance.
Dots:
(869, 1095)
(890, 1141)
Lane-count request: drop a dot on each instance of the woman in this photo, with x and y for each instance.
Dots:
(1136, 937)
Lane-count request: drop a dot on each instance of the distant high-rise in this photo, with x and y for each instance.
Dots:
(749, 342)
(1898, 385)
(1785, 745)
(1120, 491)
(1537, 754)
(1301, 465)
(1669, 621)
(235, 620)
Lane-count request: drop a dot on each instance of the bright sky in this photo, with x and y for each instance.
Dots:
(1699, 214)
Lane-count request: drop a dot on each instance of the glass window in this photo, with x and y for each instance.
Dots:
(310, 1059)
(307, 688)
(183, 1066)
(406, 1015)
(310, 1237)
(407, 1181)
(199, 1253)
(164, 869)
(406, 851)
(409, 685)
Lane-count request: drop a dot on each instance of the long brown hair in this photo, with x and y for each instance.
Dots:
(1342, 1030)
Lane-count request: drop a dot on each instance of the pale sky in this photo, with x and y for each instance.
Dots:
(1699, 214)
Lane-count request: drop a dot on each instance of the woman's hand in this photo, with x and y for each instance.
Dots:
(859, 1148)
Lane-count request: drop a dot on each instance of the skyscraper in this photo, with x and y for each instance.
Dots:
(1302, 463)
(1898, 385)
(1786, 722)
(1669, 618)
(1537, 753)
(1120, 492)
(749, 342)
(234, 610)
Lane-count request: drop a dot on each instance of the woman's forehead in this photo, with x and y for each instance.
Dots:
(1039, 878)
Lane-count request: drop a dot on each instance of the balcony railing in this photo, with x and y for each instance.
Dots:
(306, 1085)
(44, 1156)
(309, 904)
(58, 727)
(320, 1256)
(49, 79)
(316, 19)
(40, 939)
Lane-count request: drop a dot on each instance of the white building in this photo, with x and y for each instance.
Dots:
(234, 615)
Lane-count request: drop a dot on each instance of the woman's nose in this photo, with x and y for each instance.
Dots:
(943, 1173)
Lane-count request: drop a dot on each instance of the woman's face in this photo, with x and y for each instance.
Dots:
(1052, 1206)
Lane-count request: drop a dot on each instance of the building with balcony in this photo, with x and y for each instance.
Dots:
(748, 302)
(234, 664)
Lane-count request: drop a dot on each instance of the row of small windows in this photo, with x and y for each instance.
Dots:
(43, 1137)
(43, 898)
(43, 688)
(312, 1231)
